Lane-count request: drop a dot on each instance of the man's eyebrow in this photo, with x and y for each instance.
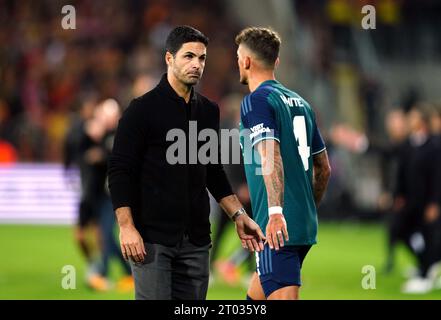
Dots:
(194, 54)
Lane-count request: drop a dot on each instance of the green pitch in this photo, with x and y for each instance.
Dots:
(33, 258)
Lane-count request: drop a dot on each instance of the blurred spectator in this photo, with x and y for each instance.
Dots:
(96, 146)
(417, 199)
(72, 142)
(391, 152)
(74, 155)
(108, 113)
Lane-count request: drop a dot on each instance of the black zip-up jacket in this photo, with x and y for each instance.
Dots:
(419, 176)
(166, 200)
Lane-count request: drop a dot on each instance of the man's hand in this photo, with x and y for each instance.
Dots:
(249, 233)
(132, 245)
(276, 230)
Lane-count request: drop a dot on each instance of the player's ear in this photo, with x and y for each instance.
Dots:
(276, 64)
(247, 63)
(168, 58)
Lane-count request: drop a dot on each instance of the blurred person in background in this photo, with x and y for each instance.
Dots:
(417, 198)
(433, 214)
(75, 146)
(108, 114)
(391, 153)
(72, 142)
(96, 145)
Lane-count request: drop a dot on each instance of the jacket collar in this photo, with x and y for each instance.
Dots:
(167, 89)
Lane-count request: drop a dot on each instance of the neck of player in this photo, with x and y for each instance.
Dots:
(257, 78)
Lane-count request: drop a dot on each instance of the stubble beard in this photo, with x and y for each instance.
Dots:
(185, 79)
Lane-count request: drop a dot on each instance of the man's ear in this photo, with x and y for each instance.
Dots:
(168, 58)
(247, 63)
(276, 64)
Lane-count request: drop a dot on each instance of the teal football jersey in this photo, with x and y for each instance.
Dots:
(275, 112)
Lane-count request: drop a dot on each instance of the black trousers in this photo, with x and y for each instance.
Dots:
(401, 228)
(172, 273)
(432, 251)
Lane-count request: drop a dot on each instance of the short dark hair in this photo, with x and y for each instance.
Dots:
(183, 34)
(264, 42)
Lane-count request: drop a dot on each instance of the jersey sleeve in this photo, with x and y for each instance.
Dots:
(258, 118)
(318, 145)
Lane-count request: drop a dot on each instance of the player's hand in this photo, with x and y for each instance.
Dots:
(132, 244)
(250, 234)
(276, 231)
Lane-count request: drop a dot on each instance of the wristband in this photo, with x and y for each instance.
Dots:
(274, 210)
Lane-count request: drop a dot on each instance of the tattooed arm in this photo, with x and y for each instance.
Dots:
(322, 172)
(272, 170)
(273, 176)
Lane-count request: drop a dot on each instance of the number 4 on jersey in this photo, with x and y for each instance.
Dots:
(299, 125)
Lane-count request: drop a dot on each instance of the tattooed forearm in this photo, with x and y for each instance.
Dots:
(319, 184)
(322, 172)
(272, 167)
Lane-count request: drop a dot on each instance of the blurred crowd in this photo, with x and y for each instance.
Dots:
(116, 51)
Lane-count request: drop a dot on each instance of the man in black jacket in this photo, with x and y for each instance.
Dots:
(417, 201)
(162, 207)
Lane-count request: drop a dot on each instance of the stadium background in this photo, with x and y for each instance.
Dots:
(352, 77)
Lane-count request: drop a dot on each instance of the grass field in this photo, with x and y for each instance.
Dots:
(33, 257)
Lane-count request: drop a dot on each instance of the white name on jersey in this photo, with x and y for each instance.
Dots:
(290, 101)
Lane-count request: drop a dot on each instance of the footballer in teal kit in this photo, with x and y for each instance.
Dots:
(274, 112)
(286, 166)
